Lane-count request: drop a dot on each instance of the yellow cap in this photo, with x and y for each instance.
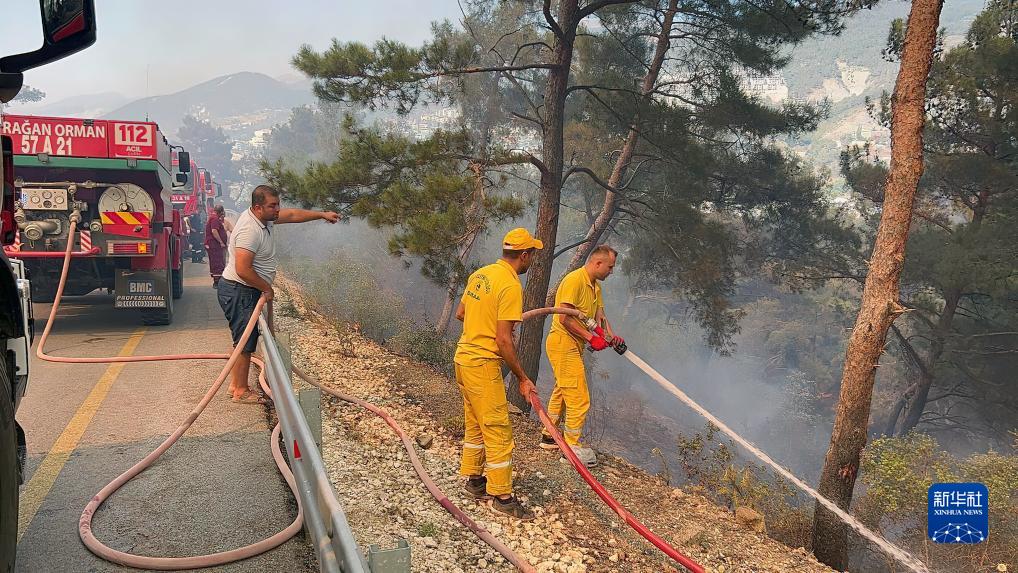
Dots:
(519, 239)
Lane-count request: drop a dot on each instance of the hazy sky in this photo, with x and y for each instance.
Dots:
(184, 42)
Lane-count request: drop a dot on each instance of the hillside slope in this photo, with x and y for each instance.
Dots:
(573, 533)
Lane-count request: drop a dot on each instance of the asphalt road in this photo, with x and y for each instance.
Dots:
(216, 489)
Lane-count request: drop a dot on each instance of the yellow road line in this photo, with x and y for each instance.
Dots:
(42, 481)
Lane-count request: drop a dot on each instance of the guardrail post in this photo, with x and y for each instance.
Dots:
(310, 400)
(395, 560)
(283, 344)
(311, 404)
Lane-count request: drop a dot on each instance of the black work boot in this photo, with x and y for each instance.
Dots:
(511, 507)
(477, 488)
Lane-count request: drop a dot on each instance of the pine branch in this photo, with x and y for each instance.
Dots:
(555, 28)
(567, 248)
(590, 173)
(595, 6)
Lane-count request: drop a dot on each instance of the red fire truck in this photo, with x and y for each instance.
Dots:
(114, 179)
(189, 199)
(195, 199)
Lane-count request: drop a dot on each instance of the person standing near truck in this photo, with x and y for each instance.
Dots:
(250, 271)
(215, 243)
(195, 238)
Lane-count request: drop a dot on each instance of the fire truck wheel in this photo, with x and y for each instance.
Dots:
(8, 470)
(160, 316)
(44, 290)
(176, 276)
(178, 283)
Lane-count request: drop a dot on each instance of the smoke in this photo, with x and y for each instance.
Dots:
(630, 415)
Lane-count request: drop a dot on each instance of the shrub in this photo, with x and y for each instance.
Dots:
(709, 463)
(897, 473)
(347, 290)
(419, 341)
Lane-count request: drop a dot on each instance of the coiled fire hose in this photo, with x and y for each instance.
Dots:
(85, 521)
(588, 477)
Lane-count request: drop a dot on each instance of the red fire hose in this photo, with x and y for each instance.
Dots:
(588, 477)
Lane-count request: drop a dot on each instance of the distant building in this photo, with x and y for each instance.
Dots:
(771, 87)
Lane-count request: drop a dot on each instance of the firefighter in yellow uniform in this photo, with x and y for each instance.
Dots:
(580, 289)
(491, 306)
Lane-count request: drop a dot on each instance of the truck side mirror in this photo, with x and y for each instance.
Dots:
(67, 25)
(181, 179)
(219, 190)
(183, 162)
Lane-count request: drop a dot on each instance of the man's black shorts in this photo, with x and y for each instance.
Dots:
(238, 302)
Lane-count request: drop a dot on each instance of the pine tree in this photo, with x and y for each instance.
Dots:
(436, 201)
(210, 146)
(880, 301)
(962, 249)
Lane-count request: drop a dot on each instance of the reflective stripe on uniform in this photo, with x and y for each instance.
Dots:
(473, 446)
(504, 464)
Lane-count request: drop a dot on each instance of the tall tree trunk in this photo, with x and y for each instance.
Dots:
(551, 190)
(474, 215)
(917, 404)
(475, 223)
(611, 197)
(879, 305)
(450, 299)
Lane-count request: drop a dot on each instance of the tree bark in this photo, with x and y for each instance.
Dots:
(475, 222)
(450, 298)
(539, 275)
(474, 215)
(917, 404)
(880, 305)
(611, 197)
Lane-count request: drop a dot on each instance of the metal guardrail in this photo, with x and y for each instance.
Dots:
(323, 516)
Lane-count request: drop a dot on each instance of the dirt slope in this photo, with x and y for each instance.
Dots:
(574, 531)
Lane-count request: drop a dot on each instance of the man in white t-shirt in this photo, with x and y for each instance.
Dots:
(250, 271)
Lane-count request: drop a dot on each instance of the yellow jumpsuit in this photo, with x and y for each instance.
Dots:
(493, 293)
(565, 353)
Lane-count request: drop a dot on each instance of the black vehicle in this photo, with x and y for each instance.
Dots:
(68, 26)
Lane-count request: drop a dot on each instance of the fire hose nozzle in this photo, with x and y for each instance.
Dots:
(621, 348)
